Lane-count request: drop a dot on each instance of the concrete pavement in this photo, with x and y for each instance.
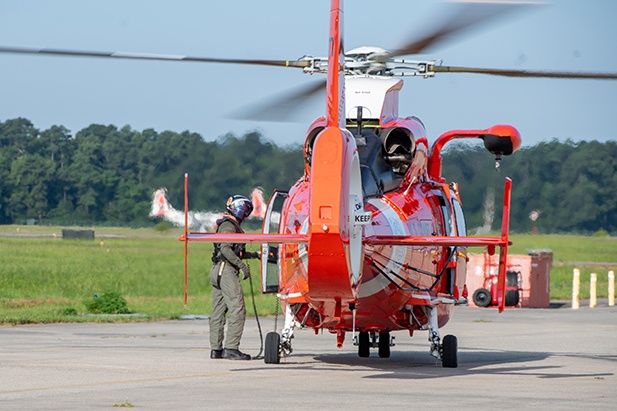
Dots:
(545, 359)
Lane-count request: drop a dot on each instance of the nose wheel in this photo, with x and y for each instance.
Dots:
(384, 345)
(367, 340)
(364, 344)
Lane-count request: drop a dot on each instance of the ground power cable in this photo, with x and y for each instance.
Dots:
(261, 336)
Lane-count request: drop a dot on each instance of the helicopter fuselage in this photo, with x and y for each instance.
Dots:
(395, 281)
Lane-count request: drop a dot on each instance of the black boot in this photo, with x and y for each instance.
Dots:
(216, 354)
(231, 354)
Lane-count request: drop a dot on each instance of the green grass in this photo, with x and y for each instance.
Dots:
(569, 252)
(568, 248)
(49, 279)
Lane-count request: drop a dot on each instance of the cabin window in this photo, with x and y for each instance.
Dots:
(271, 253)
(461, 228)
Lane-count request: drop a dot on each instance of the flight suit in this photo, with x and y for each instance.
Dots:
(227, 297)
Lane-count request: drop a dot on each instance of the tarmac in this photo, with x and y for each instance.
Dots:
(541, 359)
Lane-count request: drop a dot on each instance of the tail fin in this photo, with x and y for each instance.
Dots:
(259, 205)
(160, 205)
(334, 263)
(335, 92)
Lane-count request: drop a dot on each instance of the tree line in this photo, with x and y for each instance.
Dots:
(104, 175)
(570, 185)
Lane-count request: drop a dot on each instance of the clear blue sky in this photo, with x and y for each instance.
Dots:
(76, 92)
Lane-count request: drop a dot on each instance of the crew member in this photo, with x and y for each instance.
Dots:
(227, 296)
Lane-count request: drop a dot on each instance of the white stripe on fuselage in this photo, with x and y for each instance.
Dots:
(397, 258)
(303, 248)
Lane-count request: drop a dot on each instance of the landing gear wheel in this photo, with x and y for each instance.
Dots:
(384, 345)
(512, 298)
(449, 357)
(482, 297)
(511, 279)
(364, 346)
(272, 354)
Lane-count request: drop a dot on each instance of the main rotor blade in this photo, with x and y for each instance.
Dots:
(468, 16)
(282, 108)
(525, 73)
(148, 56)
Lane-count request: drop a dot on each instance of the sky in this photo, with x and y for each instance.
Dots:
(76, 92)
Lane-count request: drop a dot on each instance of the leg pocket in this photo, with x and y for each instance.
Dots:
(215, 278)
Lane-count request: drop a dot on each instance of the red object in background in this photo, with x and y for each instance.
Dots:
(533, 281)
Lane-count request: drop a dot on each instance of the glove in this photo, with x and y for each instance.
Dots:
(246, 271)
(247, 254)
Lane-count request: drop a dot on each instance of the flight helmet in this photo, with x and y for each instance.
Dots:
(240, 207)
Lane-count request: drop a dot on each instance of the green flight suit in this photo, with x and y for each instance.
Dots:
(227, 297)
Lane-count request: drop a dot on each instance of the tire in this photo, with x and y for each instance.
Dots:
(384, 345)
(449, 352)
(272, 354)
(364, 349)
(512, 298)
(482, 297)
(511, 279)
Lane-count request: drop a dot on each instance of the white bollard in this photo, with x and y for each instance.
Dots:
(611, 288)
(576, 286)
(593, 281)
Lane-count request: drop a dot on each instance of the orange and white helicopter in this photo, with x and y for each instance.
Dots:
(371, 239)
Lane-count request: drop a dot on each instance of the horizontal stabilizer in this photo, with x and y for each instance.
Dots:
(435, 241)
(249, 238)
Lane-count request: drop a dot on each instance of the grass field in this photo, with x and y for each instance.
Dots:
(49, 279)
(44, 278)
(588, 254)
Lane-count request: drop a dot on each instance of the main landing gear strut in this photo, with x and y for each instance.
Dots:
(277, 346)
(446, 351)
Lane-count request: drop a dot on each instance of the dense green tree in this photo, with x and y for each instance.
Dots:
(106, 175)
(18, 135)
(30, 177)
(571, 184)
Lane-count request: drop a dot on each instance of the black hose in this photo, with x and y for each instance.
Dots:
(261, 336)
